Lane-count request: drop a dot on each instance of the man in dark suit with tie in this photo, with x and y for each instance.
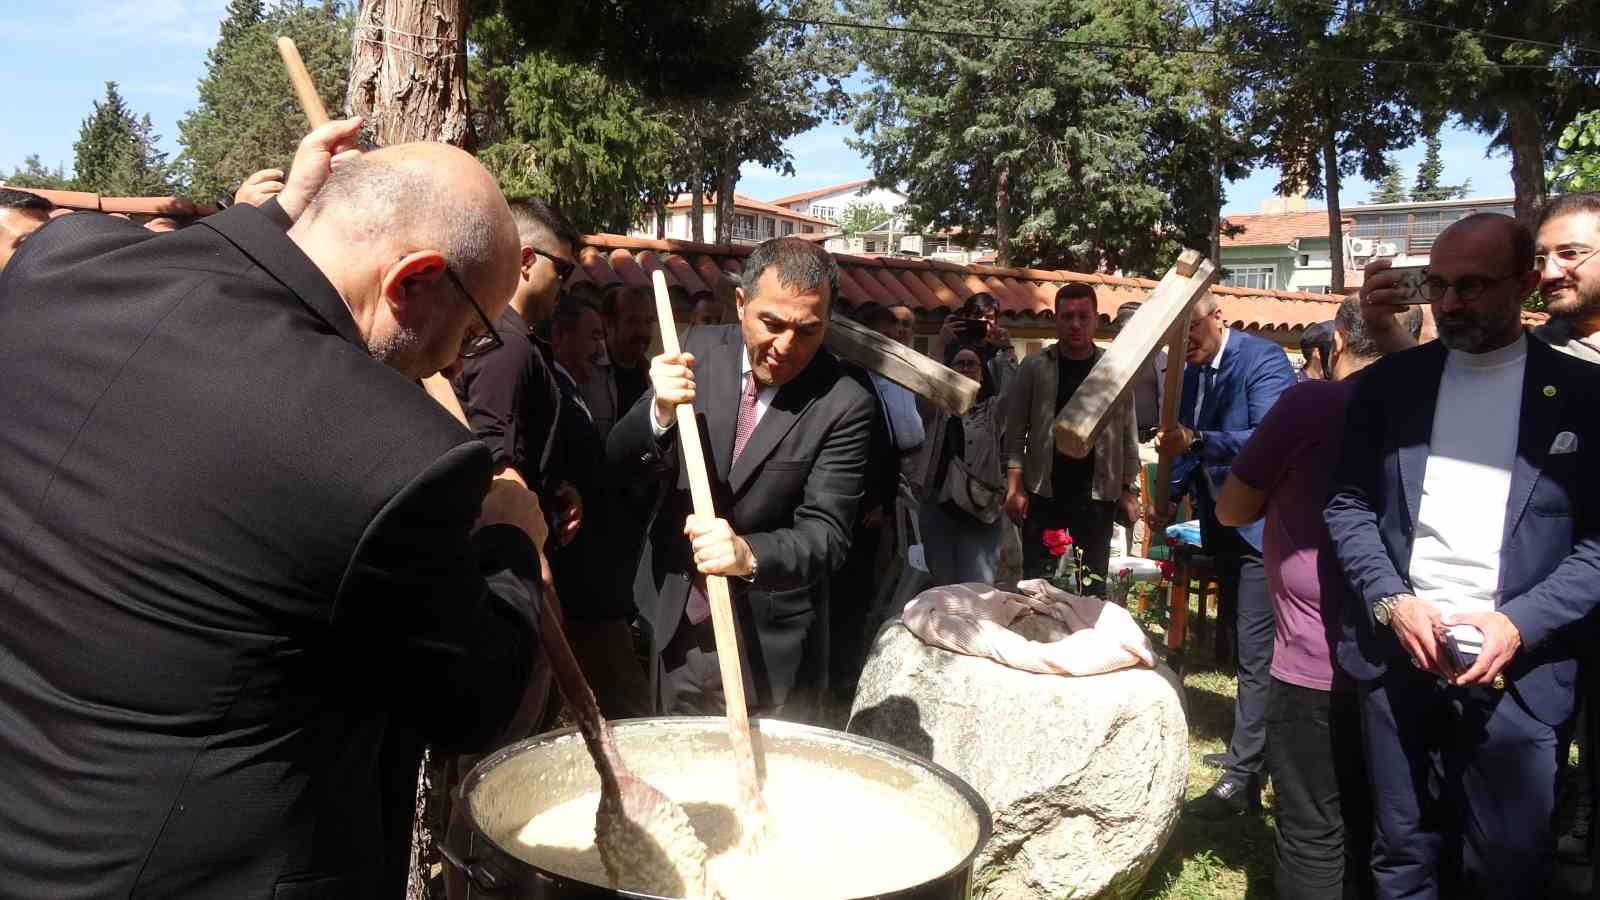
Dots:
(240, 549)
(1466, 515)
(786, 433)
(1232, 379)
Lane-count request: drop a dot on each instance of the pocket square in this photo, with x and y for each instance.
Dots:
(1565, 442)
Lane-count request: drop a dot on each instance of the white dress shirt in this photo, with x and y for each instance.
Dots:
(763, 398)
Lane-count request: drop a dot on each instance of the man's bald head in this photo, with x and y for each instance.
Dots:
(390, 227)
(1479, 270)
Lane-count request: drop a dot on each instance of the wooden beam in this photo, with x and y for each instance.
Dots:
(853, 342)
(1080, 421)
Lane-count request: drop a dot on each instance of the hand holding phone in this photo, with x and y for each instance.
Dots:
(1410, 283)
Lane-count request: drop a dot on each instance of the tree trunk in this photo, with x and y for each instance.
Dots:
(697, 210)
(408, 70)
(1527, 159)
(1330, 180)
(660, 207)
(1002, 217)
(1215, 248)
(727, 179)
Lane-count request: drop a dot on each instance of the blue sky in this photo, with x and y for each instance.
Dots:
(60, 54)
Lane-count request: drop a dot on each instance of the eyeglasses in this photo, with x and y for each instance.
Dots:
(1567, 258)
(1468, 288)
(564, 267)
(484, 341)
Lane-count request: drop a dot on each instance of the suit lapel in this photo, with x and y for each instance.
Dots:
(790, 403)
(1537, 427)
(259, 238)
(721, 400)
(1415, 417)
(1191, 393)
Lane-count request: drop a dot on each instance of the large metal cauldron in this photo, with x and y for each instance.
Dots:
(499, 798)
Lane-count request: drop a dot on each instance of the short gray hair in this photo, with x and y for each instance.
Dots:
(401, 200)
(801, 266)
(1359, 340)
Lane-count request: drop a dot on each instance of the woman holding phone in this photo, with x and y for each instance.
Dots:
(975, 323)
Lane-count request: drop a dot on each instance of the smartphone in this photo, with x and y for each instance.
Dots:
(1411, 278)
(972, 329)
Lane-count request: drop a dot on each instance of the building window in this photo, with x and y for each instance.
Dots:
(870, 247)
(744, 227)
(1305, 260)
(788, 228)
(808, 229)
(769, 227)
(825, 212)
(1259, 278)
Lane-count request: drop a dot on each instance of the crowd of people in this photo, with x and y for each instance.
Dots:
(251, 571)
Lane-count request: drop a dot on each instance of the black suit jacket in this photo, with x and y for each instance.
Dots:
(792, 496)
(1550, 553)
(234, 552)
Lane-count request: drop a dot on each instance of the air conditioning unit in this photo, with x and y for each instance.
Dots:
(1386, 249)
(1360, 247)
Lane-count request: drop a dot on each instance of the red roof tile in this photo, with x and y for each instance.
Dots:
(933, 284)
(820, 192)
(1277, 229)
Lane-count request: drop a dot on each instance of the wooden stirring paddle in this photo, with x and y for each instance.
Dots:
(754, 819)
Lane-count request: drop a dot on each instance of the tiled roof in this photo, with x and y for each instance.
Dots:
(139, 206)
(820, 192)
(740, 201)
(1278, 229)
(929, 286)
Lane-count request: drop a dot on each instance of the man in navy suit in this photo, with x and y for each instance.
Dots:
(1466, 515)
(1230, 382)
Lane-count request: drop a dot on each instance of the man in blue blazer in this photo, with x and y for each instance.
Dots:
(1466, 515)
(1230, 382)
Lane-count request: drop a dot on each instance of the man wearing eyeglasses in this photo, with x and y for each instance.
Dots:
(247, 566)
(1466, 516)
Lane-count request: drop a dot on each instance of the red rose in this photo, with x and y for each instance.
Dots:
(1056, 540)
(1124, 573)
(1167, 568)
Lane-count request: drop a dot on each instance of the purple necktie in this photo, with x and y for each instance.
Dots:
(698, 608)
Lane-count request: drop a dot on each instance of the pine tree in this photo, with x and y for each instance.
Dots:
(1392, 188)
(33, 173)
(241, 16)
(104, 141)
(1431, 172)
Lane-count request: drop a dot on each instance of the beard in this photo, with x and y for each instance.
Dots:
(1473, 332)
(1575, 300)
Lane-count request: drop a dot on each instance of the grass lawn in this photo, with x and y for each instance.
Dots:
(1212, 860)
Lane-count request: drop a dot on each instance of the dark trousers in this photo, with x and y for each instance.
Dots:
(1464, 786)
(1088, 521)
(1324, 805)
(1243, 583)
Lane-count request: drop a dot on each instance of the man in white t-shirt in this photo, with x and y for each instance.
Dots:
(1466, 516)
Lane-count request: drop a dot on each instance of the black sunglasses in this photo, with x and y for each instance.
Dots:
(564, 267)
(484, 341)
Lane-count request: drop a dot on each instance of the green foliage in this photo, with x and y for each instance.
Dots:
(1392, 188)
(247, 118)
(35, 174)
(1431, 173)
(579, 140)
(1578, 167)
(116, 152)
(1072, 158)
(861, 215)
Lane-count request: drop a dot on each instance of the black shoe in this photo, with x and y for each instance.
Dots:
(1215, 760)
(1227, 798)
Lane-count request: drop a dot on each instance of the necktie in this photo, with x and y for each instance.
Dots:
(698, 608)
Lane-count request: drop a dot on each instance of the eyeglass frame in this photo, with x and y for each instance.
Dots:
(564, 267)
(1540, 260)
(1447, 286)
(495, 342)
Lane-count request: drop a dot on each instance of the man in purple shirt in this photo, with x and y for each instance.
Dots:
(1313, 726)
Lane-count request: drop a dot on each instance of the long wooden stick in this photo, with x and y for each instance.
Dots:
(1171, 396)
(722, 622)
(304, 88)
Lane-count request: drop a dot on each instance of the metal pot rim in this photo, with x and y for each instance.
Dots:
(775, 727)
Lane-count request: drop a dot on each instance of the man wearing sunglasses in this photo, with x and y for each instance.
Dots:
(1465, 514)
(248, 566)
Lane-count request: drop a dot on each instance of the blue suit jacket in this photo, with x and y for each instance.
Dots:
(1550, 554)
(1252, 374)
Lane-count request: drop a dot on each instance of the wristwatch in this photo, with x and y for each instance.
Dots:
(1131, 487)
(1198, 444)
(1383, 610)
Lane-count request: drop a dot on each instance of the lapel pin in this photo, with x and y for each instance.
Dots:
(1549, 390)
